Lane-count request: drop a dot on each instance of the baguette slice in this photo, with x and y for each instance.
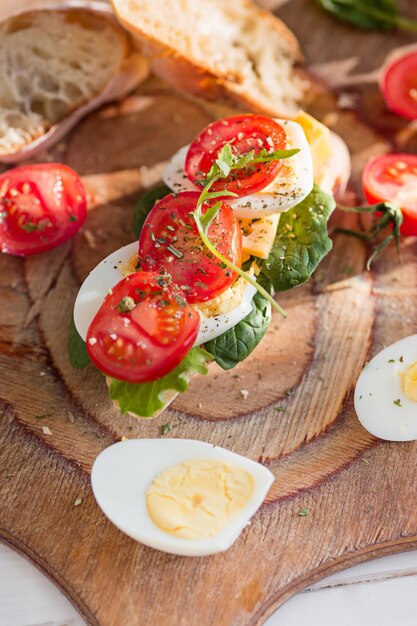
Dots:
(218, 49)
(57, 64)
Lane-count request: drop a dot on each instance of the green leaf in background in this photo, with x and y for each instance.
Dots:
(236, 344)
(77, 352)
(145, 204)
(301, 242)
(369, 14)
(145, 399)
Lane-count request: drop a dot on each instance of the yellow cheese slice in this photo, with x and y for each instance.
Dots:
(318, 137)
(258, 235)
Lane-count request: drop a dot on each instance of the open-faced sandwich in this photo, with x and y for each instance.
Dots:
(241, 217)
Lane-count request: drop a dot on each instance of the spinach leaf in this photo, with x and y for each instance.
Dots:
(77, 352)
(301, 242)
(370, 14)
(145, 204)
(236, 344)
(145, 399)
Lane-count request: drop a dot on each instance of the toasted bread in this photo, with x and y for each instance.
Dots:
(217, 49)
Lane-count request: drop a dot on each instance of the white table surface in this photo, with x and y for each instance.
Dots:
(382, 592)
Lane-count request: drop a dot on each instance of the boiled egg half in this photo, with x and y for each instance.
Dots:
(180, 496)
(292, 184)
(386, 392)
(216, 316)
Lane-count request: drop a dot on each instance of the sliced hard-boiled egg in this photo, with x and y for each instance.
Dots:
(96, 286)
(292, 184)
(216, 316)
(223, 313)
(180, 496)
(386, 392)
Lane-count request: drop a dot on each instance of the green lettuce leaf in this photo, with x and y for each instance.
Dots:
(145, 204)
(301, 242)
(236, 344)
(145, 399)
(77, 351)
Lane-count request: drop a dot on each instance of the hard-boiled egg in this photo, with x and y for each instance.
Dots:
(216, 316)
(224, 312)
(292, 184)
(96, 286)
(386, 392)
(180, 496)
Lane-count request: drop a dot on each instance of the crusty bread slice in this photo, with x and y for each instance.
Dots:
(219, 48)
(53, 63)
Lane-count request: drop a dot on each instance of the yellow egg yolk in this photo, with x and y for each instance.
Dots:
(198, 498)
(410, 382)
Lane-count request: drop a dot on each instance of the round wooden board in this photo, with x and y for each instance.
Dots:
(360, 492)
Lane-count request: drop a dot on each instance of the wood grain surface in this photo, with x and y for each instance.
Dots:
(361, 493)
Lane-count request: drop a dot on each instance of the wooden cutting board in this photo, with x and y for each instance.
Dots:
(360, 492)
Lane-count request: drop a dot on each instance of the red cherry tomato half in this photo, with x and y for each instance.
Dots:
(40, 207)
(393, 178)
(399, 86)
(143, 329)
(244, 133)
(170, 241)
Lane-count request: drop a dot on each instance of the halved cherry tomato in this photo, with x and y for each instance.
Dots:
(244, 133)
(143, 329)
(393, 178)
(170, 241)
(40, 207)
(399, 86)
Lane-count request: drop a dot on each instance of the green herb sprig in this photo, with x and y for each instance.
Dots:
(226, 163)
(369, 14)
(391, 215)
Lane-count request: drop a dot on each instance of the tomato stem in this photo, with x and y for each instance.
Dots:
(390, 215)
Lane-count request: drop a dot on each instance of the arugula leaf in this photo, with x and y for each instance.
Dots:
(145, 399)
(369, 14)
(301, 242)
(77, 352)
(236, 344)
(145, 204)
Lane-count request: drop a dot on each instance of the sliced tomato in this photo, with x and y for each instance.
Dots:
(40, 207)
(170, 241)
(143, 329)
(399, 86)
(244, 133)
(393, 178)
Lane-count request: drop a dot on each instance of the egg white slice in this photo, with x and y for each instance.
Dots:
(379, 388)
(96, 286)
(111, 270)
(215, 325)
(293, 183)
(122, 474)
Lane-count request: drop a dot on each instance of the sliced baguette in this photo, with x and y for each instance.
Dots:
(55, 66)
(218, 49)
